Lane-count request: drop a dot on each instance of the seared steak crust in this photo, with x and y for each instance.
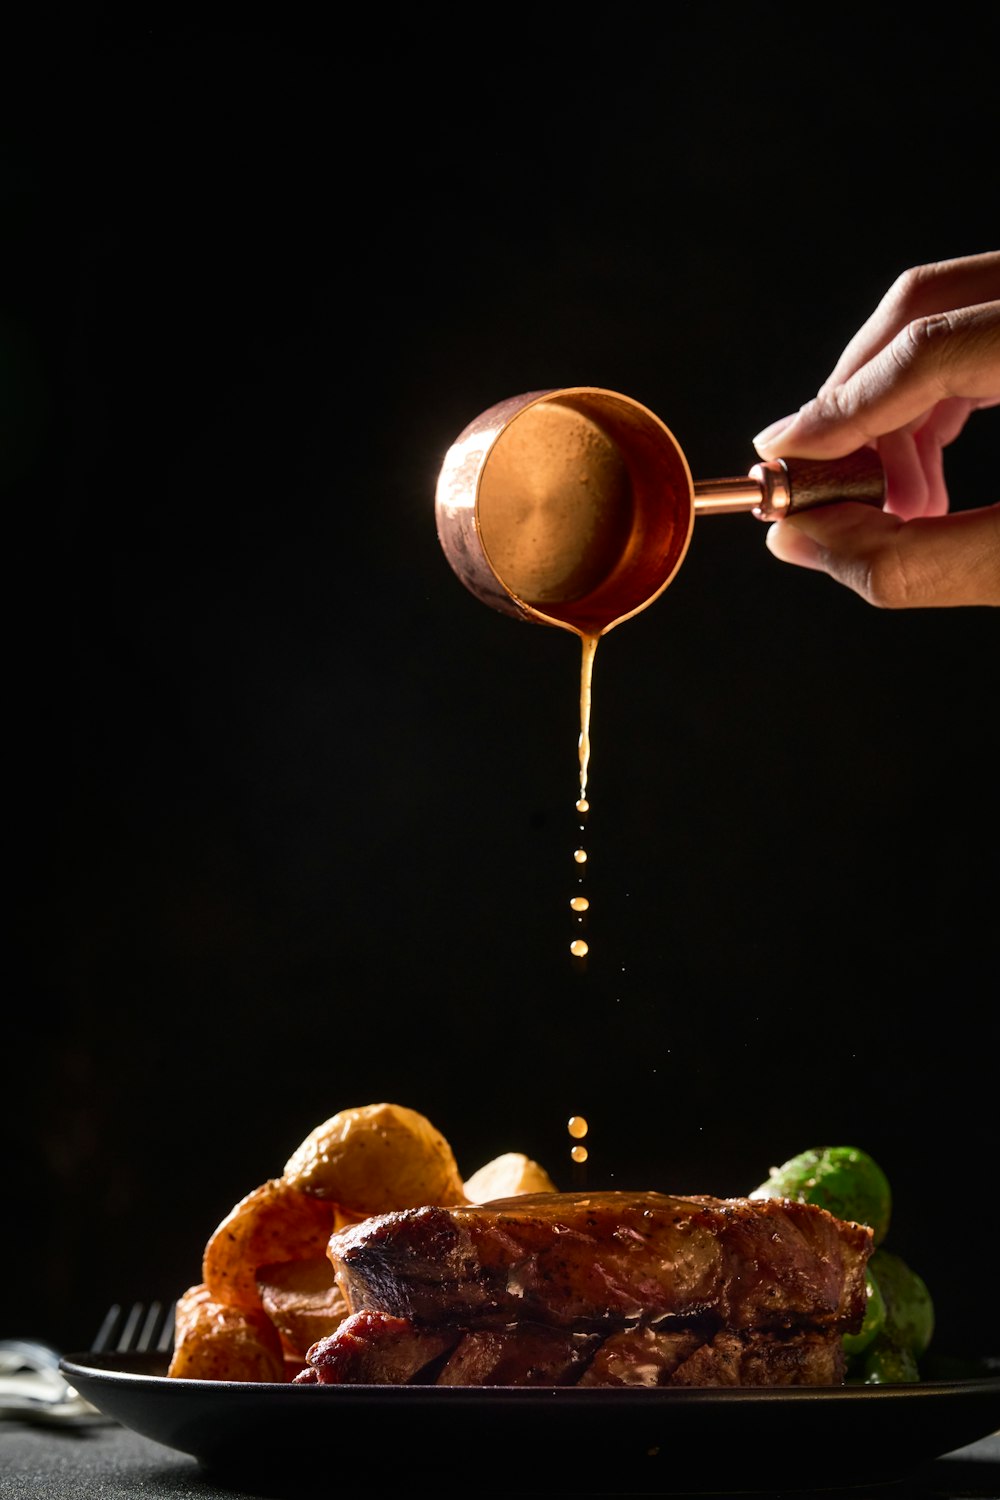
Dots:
(607, 1261)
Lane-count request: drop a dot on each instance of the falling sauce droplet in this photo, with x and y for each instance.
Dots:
(577, 1127)
(580, 855)
(578, 948)
(579, 903)
(583, 805)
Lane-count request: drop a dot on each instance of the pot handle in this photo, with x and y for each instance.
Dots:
(779, 487)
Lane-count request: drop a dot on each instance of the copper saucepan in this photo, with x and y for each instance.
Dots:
(575, 507)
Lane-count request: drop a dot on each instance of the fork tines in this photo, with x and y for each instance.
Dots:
(140, 1328)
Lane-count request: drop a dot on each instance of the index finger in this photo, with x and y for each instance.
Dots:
(944, 286)
(954, 354)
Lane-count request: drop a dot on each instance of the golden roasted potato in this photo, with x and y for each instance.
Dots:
(374, 1159)
(216, 1342)
(506, 1176)
(302, 1300)
(274, 1223)
(342, 1219)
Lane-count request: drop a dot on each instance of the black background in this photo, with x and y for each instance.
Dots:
(293, 812)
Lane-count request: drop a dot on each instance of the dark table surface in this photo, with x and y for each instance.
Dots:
(107, 1462)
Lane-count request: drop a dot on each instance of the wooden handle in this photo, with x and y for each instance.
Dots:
(813, 481)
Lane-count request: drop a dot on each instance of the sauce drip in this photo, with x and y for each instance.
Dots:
(586, 695)
(579, 903)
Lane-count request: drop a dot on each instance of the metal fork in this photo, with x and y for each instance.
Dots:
(32, 1386)
(33, 1389)
(137, 1329)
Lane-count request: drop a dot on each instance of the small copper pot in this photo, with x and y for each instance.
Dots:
(575, 507)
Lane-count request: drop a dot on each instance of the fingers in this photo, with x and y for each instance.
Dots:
(913, 461)
(908, 485)
(934, 561)
(906, 383)
(943, 357)
(919, 293)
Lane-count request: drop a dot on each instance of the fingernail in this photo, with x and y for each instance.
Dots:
(791, 545)
(768, 436)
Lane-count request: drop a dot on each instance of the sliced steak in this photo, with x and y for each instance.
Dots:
(643, 1357)
(530, 1354)
(609, 1260)
(373, 1348)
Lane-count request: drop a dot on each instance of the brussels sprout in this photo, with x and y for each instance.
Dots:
(885, 1363)
(909, 1310)
(874, 1319)
(842, 1179)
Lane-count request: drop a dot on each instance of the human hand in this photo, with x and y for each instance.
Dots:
(906, 383)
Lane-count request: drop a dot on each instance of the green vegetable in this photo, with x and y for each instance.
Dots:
(874, 1320)
(885, 1363)
(899, 1313)
(909, 1310)
(842, 1179)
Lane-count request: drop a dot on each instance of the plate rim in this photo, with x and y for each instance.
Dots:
(104, 1365)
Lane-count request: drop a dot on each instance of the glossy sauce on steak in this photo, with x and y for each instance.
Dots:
(587, 1261)
(605, 1288)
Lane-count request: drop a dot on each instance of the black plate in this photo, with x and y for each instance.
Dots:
(676, 1441)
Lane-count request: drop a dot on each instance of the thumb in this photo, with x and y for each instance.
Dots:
(929, 562)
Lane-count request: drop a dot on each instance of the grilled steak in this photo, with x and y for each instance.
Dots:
(605, 1288)
(599, 1260)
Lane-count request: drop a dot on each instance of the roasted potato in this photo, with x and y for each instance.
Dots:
(274, 1223)
(374, 1159)
(215, 1342)
(302, 1300)
(507, 1176)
